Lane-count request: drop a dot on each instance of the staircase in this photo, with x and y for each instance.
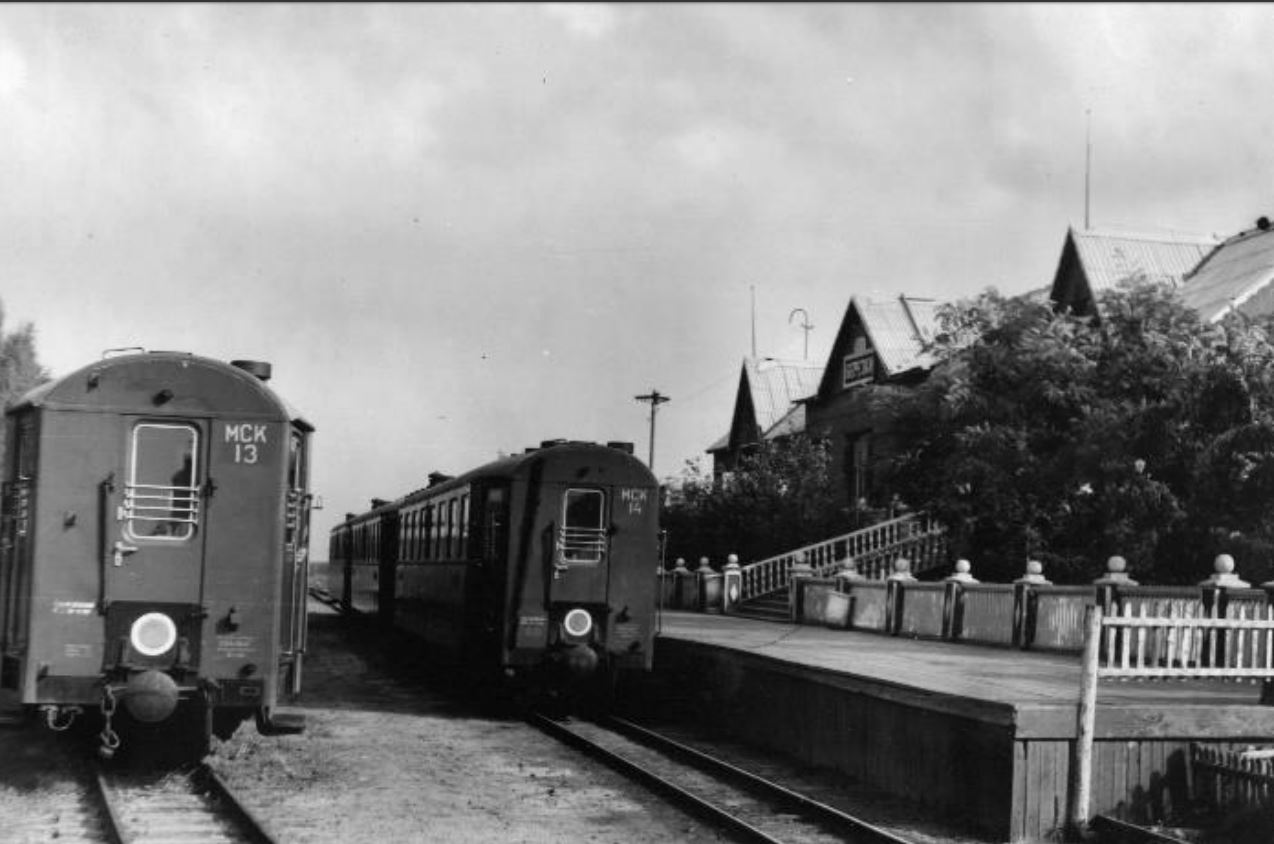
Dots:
(871, 550)
(772, 606)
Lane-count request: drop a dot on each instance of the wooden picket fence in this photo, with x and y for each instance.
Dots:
(1236, 645)
(1232, 779)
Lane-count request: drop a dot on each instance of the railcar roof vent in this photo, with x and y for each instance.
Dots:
(436, 478)
(627, 448)
(257, 368)
(379, 502)
(551, 443)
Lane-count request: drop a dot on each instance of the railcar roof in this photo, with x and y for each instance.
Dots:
(116, 384)
(508, 467)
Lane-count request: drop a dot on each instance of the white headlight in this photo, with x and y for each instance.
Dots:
(578, 622)
(153, 634)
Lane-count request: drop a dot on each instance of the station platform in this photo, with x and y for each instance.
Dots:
(984, 734)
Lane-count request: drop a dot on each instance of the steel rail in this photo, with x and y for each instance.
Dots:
(816, 812)
(771, 790)
(214, 798)
(697, 805)
(248, 823)
(1116, 831)
(114, 829)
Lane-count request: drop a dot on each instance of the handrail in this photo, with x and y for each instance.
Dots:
(872, 548)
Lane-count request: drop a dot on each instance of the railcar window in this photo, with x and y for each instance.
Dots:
(161, 497)
(464, 526)
(582, 537)
(450, 546)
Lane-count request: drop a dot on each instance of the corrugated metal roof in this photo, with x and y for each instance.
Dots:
(1235, 271)
(1109, 256)
(776, 384)
(899, 328)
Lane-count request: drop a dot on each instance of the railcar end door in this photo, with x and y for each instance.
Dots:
(154, 537)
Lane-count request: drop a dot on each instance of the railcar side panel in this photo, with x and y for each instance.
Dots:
(65, 649)
(247, 467)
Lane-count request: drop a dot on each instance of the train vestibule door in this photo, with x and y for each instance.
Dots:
(580, 544)
(154, 514)
(296, 575)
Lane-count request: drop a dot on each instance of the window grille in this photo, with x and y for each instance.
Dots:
(581, 539)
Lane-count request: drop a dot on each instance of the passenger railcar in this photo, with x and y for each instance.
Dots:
(541, 565)
(153, 549)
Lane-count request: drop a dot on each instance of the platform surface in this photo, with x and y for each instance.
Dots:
(1036, 691)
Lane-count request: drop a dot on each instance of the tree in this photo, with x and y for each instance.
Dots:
(20, 370)
(781, 495)
(1041, 435)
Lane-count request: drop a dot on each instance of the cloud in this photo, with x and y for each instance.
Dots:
(588, 20)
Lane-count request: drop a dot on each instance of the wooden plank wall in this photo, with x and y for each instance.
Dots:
(957, 765)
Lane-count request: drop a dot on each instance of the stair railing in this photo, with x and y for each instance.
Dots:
(916, 536)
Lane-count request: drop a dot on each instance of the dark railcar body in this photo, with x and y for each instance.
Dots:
(544, 560)
(154, 544)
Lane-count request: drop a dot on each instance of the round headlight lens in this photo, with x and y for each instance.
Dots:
(153, 634)
(578, 622)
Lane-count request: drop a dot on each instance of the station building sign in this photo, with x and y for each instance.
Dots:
(858, 368)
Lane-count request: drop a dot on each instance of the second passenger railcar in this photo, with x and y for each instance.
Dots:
(541, 565)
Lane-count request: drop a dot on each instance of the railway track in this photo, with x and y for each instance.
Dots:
(1113, 831)
(192, 806)
(749, 807)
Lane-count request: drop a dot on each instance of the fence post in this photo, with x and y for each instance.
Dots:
(683, 579)
(895, 586)
(1023, 600)
(1267, 686)
(1086, 722)
(732, 584)
(1215, 600)
(1108, 584)
(952, 608)
(709, 583)
(801, 572)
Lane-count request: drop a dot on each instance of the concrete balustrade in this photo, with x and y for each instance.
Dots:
(1031, 612)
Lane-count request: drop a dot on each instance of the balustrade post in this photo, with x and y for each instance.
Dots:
(895, 587)
(953, 598)
(684, 598)
(1024, 603)
(709, 583)
(731, 583)
(1215, 600)
(801, 572)
(670, 581)
(1267, 686)
(1108, 584)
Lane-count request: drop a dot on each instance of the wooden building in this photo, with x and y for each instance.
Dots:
(880, 341)
(766, 407)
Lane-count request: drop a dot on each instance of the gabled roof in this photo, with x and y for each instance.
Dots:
(770, 387)
(1109, 256)
(1233, 275)
(899, 328)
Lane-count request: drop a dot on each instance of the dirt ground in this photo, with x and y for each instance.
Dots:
(382, 761)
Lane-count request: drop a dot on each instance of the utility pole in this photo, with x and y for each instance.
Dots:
(655, 398)
(1088, 159)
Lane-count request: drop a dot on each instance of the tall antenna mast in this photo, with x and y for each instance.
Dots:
(1088, 159)
(753, 321)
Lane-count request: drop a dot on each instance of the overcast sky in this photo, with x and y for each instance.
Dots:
(460, 230)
